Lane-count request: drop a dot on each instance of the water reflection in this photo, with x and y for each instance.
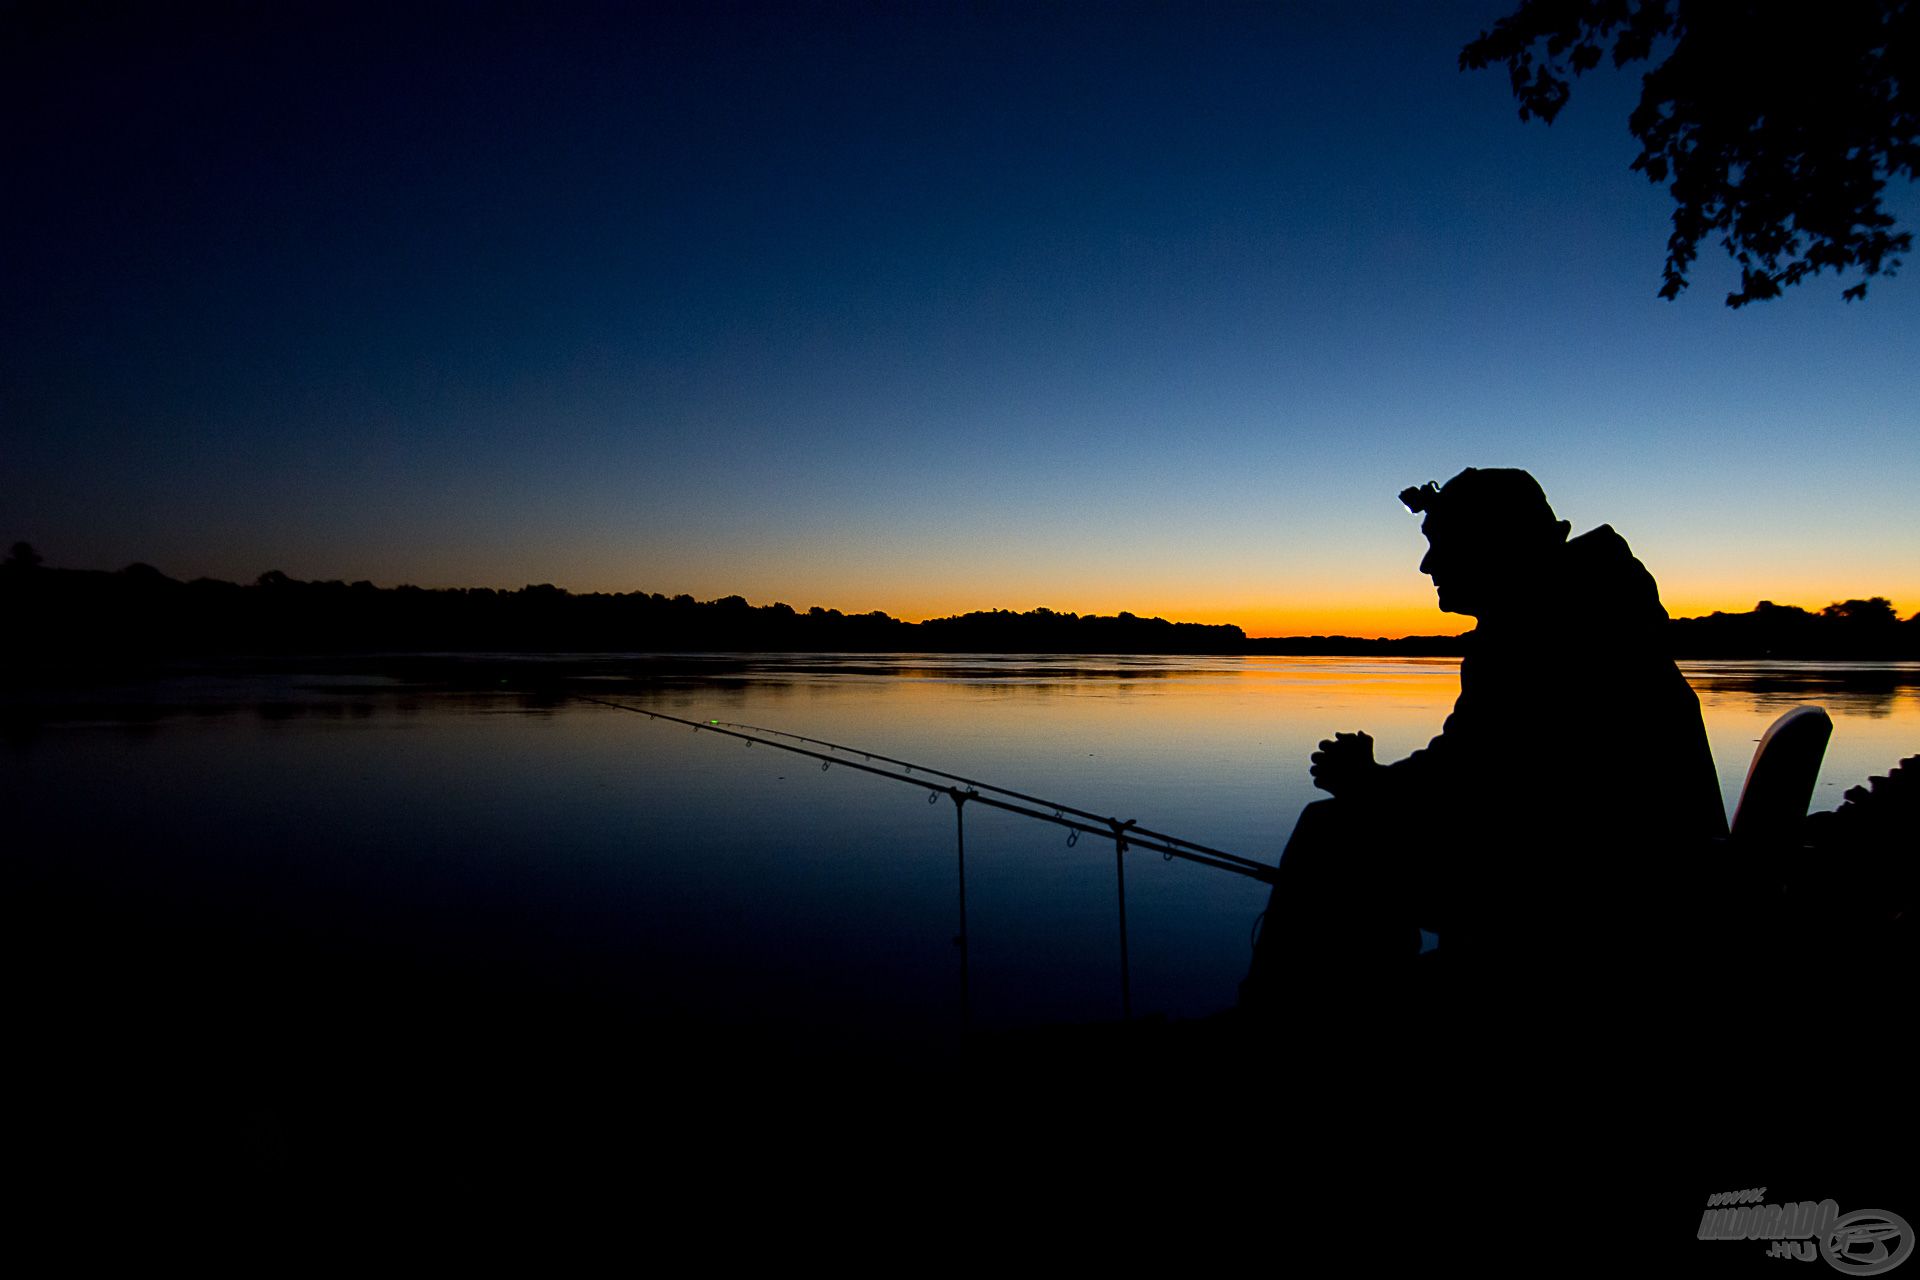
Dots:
(1844, 689)
(475, 810)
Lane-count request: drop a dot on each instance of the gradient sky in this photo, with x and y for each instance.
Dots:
(912, 307)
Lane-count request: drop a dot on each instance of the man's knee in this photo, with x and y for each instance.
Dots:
(1330, 837)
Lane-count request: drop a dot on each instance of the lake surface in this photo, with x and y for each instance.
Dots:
(556, 846)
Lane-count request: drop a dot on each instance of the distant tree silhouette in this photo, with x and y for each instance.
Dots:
(1776, 126)
(1877, 611)
(23, 556)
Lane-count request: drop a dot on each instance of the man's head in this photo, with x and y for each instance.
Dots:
(1490, 536)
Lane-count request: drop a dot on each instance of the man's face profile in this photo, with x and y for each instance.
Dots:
(1451, 564)
(1490, 540)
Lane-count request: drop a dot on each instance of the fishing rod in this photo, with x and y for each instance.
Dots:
(1125, 835)
(1136, 831)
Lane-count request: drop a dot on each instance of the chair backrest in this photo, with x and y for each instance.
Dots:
(1779, 785)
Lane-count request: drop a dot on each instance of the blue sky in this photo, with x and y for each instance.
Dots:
(920, 308)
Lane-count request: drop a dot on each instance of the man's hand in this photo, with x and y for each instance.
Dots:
(1344, 764)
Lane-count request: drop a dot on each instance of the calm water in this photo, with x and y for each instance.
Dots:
(563, 845)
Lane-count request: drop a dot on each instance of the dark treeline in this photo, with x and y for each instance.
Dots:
(1867, 629)
(139, 611)
(69, 613)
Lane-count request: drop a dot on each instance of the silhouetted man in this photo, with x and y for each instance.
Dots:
(1550, 834)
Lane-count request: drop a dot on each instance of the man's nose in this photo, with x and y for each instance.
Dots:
(1426, 563)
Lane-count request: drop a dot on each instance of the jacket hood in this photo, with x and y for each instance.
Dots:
(1603, 579)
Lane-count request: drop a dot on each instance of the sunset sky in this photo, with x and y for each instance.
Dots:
(914, 307)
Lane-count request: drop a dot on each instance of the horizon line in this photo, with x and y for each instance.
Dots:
(1466, 622)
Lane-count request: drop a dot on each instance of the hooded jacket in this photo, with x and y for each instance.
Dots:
(1574, 774)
